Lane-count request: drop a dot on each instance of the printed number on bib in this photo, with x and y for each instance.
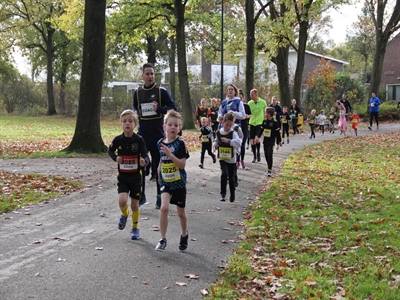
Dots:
(225, 153)
(170, 172)
(267, 133)
(147, 109)
(129, 164)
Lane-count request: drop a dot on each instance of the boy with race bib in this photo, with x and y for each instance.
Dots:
(131, 158)
(172, 178)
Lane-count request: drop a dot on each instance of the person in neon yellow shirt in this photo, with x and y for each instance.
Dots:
(257, 107)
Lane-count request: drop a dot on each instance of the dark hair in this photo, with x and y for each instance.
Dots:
(147, 65)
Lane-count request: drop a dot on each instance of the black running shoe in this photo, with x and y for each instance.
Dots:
(161, 244)
(183, 244)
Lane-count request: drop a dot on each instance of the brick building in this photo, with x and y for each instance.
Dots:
(391, 69)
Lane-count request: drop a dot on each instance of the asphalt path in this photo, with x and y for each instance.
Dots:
(70, 247)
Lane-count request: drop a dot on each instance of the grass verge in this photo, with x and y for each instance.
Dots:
(328, 227)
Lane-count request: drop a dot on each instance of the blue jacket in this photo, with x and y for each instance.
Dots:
(374, 104)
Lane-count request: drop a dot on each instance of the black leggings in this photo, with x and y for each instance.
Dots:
(285, 129)
(294, 126)
(227, 171)
(268, 151)
(206, 147)
(245, 130)
(373, 115)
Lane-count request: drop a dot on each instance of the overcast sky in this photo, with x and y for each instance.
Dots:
(342, 21)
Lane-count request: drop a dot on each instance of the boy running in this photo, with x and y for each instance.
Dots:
(131, 158)
(173, 155)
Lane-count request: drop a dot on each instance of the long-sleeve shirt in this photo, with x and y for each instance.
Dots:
(227, 151)
(235, 105)
(150, 122)
(270, 132)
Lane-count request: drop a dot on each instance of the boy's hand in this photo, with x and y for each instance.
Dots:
(119, 159)
(224, 140)
(280, 144)
(166, 150)
(142, 162)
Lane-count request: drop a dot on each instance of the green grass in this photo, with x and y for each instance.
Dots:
(45, 136)
(328, 227)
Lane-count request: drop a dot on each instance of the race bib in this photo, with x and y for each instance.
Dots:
(147, 109)
(225, 153)
(331, 116)
(355, 121)
(204, 139)
(267, 133)
(170, 172)
(129, 164)
(284, 120)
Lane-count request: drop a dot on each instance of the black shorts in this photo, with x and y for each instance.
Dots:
(178, 196)
(254, 130)
(132, 187)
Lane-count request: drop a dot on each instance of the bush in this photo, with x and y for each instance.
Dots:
(388, 110)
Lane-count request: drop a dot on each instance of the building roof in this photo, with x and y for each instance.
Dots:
(311, 53)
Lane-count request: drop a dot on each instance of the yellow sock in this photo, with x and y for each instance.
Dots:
(135, 219)
(125, 211)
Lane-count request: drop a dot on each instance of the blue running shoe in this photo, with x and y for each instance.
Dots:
(142, 201)
(122, 222)
(135, 234)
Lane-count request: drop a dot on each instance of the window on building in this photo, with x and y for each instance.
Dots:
(393, 92)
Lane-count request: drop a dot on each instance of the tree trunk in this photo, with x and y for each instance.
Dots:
(380, 50)
(301, 53)
(250, 45)
(172, 63)
(281, 62)
(184, 91)
(382, 38)
(151, 50)
(51, 107)
(87, 137)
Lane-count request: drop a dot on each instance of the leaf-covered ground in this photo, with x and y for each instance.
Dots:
(326, 228)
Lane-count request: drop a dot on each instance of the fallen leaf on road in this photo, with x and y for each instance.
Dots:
(134, 276)
(192, 276)
(60, 260)
(145, 282)
(166, 287)
(204, 292)
(102, 214)
(38, 242)
(155, 228)
(228, 229)
(98, 248)
(181, 283)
